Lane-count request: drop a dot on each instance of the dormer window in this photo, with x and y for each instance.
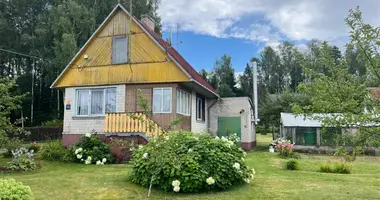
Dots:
(120, 50)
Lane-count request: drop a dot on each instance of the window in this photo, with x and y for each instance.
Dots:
(120, 50)
(95, 101)
(162, 100)
(183, 102)
(200, 108)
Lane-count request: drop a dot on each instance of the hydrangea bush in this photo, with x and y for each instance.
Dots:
(11, 189)
(188, 162)
(90, 149)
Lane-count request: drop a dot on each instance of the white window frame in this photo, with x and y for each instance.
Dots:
(201, 109)
(113, 50)
(90, 89)
(162, 100)
(180, 102)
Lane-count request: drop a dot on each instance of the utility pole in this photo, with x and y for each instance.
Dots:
(254, 93)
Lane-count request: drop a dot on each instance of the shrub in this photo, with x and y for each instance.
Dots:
(55, 151)
(90, 149)
(10, 145)
(336, 167)
(12, 190)
(189, 162)
(54, 122)
(35, 147)
(22, 160)
(285, 148)
(292, 164)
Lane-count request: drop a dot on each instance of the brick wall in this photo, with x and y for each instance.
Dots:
(80, 125)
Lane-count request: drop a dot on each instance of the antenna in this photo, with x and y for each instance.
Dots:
(178, 27)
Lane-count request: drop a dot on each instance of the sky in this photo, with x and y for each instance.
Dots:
(242, 28)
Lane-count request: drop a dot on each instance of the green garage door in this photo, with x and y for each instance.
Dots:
(229, 125)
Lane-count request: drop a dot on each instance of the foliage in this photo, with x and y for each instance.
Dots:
(10, 189)
(54, 122)
(189, 162)
(35, 147)
(54, 151)
(90, 149)
(10, 145)
(22, 160)
(292, 164)
(339, 167)
(285, 148)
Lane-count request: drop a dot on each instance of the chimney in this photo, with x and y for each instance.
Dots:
(255, 93)
(147, 20)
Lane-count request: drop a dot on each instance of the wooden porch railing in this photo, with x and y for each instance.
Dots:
(131, 123)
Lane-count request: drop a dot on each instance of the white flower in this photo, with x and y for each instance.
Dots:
(78, 150)
(89, 158)
(98, 162)
(87, 162)
(217, 138)
(190, 150)
(82, 159)
(104, 160)
(101, 163)
(253, 171)
(140, 146)
(224, 139)
(236, 166)
(210, 181)
(176, 189)
(230, 142)
(79, 156)
(247, 180)
(88, 134)
(167, 137)
(145, 156)
(245, 154)
(242, 159)
(176, 183)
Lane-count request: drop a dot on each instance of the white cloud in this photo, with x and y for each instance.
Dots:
(267, 21)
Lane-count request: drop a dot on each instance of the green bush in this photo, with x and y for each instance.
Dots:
(22, 160)
(10, 145)
(90, 149)
(189, 162)
(55, 151)
(292, 164)
(35, 147)
(54, 122)
(13, 190)
(336, 167)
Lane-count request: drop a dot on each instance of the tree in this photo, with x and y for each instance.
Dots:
(204, 74)
(9, 102)
(223, 77)
(270, 70)
(246, 82)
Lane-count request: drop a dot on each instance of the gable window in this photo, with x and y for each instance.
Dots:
(200, 106)
(183, 102)
(162, 100)
(95, 102)
(120, 50)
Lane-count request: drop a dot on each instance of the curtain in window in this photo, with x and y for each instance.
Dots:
(120, 50)
(110, 100)
(157, 100)
(97, 102)
(82, 103)
(167, 100)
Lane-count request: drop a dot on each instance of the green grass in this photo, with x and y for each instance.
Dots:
(76, 181)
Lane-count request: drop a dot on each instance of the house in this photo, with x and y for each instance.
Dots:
(124, 58)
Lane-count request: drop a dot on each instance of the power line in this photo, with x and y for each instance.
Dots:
(21, 54)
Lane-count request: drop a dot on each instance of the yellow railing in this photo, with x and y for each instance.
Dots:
(131, 123)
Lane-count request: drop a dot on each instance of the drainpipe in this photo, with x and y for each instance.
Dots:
(208, 113)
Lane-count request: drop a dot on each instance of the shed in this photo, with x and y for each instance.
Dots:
(234, 115)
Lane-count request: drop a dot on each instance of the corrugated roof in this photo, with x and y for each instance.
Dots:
(292, 120)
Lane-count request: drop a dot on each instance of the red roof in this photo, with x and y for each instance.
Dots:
(174, 53)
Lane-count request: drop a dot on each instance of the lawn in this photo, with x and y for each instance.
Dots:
(77, 181)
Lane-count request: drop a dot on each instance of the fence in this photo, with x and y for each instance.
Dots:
(44, 133)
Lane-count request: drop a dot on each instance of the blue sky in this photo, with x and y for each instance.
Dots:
(201, 51)
(241, 28)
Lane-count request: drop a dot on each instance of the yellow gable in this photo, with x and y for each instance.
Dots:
(148, 62)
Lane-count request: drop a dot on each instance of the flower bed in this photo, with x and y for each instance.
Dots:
(188, 162)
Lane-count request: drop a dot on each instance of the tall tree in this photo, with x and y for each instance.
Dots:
(223, 77)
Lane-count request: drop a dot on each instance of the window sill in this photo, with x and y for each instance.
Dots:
(88, 117)
(201, 121)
